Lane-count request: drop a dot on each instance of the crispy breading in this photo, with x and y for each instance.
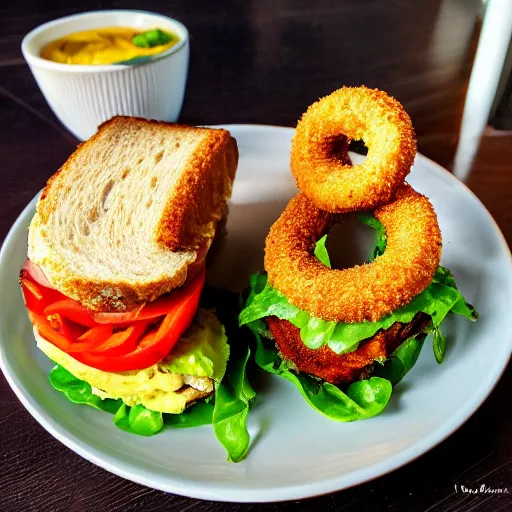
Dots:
(319, 155)
(341, 368)
(364, 292)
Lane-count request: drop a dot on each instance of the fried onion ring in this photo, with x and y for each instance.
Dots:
(319, 155)
(365, 292)
(341, 368)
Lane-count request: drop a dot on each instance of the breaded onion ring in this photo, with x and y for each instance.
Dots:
(319, 155)
(364, 292)
(340, 368)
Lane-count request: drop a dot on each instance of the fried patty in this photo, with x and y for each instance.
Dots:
(341, 368)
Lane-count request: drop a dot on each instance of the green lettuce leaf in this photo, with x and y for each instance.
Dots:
(80, 392)
(402, 360)
(203, 350)
(196, 415)
(438, 344)
(233, 399)
(362, 399)
(234, 395)
(380, 243)
(138, 420)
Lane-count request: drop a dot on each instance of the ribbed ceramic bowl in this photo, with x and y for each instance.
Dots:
(84, 96)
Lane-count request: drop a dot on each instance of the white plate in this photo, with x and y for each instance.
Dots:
(297, 453)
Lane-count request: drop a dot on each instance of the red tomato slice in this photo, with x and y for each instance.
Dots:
(45, 329)
(122, 342)
(32, 297)
(156, 345)
(100, 340)
(35, 296)
(72, 310)
(32, 288)
(95, 336)
(69, 330)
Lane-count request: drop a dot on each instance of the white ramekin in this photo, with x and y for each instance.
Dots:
(82, 97)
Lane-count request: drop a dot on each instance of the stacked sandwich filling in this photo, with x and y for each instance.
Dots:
(163, 356)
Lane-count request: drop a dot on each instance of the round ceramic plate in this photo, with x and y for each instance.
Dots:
(296, 452)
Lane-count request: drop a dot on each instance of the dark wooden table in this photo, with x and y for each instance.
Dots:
(264, 62)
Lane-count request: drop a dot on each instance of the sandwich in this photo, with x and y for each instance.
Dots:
(113, 283)
(347, 371)
(345, 337)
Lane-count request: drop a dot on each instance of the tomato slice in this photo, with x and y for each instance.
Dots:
(33, 289)
(45, 329)
(72, 310)
(35, 296)
(62, 321)
(155, 309)
(69, 330)
(123, 342)
(157, 344)
(101, 340)
(150, 311)
(33, 299)
(95, 336)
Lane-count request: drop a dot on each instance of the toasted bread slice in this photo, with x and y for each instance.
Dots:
(131, 209)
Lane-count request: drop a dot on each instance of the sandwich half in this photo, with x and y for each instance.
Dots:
(115, 273)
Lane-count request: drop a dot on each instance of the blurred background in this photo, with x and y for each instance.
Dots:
(281, 55)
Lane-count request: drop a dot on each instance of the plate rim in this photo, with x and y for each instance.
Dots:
(222, 491)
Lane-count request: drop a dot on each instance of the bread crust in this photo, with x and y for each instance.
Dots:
(200, 197)
(188, 222)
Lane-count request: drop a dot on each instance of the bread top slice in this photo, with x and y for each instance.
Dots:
(131, 210)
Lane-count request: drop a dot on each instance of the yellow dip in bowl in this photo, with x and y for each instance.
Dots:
(108, 45)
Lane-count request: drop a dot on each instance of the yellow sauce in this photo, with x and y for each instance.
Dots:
(100, 46)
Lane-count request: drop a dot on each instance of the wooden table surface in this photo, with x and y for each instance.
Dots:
(265, 62)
